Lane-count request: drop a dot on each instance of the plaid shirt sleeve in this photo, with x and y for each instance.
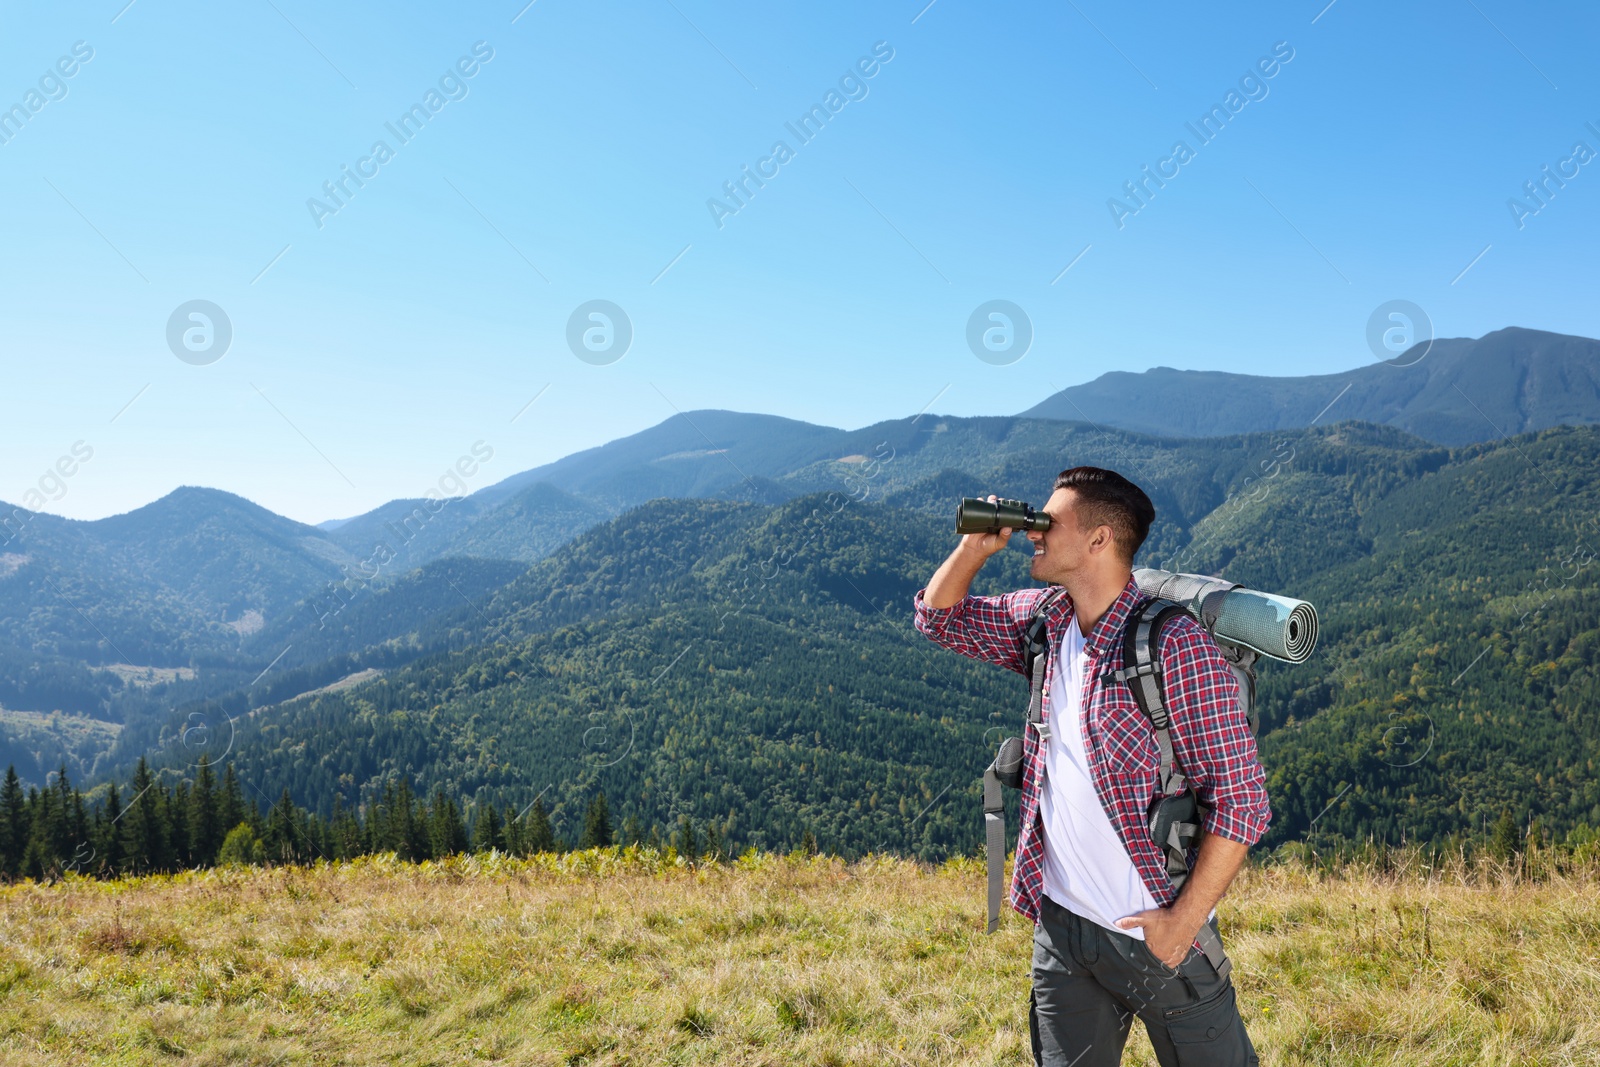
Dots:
(989, 628)
(1211, 735)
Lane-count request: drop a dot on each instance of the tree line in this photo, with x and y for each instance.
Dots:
(50, 832)
(204, 821)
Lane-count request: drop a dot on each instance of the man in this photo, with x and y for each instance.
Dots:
(1111, 937)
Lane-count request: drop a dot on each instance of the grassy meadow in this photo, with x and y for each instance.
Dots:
(626, 956)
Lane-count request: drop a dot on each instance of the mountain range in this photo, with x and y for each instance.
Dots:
(1451, 391)
(712, 616)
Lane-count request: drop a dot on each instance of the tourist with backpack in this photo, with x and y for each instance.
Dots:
(1113, 936)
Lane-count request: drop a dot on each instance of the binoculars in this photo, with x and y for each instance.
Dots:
(980, 516)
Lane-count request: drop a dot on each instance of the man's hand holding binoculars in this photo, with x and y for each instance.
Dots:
(986, 526)
(985, 542)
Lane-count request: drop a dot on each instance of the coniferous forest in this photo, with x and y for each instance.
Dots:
(47, 833)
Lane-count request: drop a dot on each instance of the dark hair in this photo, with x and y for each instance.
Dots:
(1106, 498)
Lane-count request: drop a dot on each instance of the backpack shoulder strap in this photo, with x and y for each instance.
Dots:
(1141, 671)
(1036, 659)
(1036, 640)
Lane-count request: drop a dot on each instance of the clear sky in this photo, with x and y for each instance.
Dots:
(376, 337)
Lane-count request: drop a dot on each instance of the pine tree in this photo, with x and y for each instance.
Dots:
(381, 822)
(713, 841)
(684, 840)
(77, 848)
(596, 824)
(109, 858)
(371, 817)
(90, 859)
(345, 832)
(411, 839)
(279, 840)
(160, 801)
(1504, 841)
(537, 835)
(445, 827)
(230, 805)
(178, 805)
(14, 830)
(314, 835)
(632, 830)
(42, 858)
(144, 835)
(487, 830)
(808, 842)
(512, 832)
(253, 816)
(205, 823)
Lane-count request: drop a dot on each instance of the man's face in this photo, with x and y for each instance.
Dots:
(1066, 547)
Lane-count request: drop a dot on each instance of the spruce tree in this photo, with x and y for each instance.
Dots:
(42, 859)
(487, 832)
(78, 848)
(632, 830)
(90, 858)
(354, 838)
(279, 841)
(344, 832)
(448, 834)
(318, 843)
(380, 821)
(13, 824)
(596, 824)
(411, 839)
(159, 802)
(230, 805)
(254, 819)
(144, 835)
(512, 832)
(178, 805)
(537, 835)
(205, 823)
(109, 859)
(1504, 840)
(684, 840)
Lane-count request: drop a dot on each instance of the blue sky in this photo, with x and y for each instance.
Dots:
(576, 164)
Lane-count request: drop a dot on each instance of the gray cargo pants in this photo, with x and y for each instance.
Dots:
(1089, 982)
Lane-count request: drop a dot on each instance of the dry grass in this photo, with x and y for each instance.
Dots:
(595, 958)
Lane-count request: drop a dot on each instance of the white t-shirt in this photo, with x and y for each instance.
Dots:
(1087, 869)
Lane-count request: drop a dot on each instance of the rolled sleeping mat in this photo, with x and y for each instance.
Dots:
(1275, 626)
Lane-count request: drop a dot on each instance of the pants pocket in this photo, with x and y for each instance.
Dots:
(1207, 1020)
(1142, 948)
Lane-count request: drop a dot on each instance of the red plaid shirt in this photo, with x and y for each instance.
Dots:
(1211, 737)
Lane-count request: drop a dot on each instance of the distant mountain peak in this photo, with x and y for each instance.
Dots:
(1458, 391)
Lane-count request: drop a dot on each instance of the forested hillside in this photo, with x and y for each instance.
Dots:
(754, 666)
(748, 661)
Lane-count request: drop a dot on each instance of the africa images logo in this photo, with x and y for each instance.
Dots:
(852, 85)
(452, 86)
(1205, 129)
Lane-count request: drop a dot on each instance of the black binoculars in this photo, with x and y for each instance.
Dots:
(980, 516)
